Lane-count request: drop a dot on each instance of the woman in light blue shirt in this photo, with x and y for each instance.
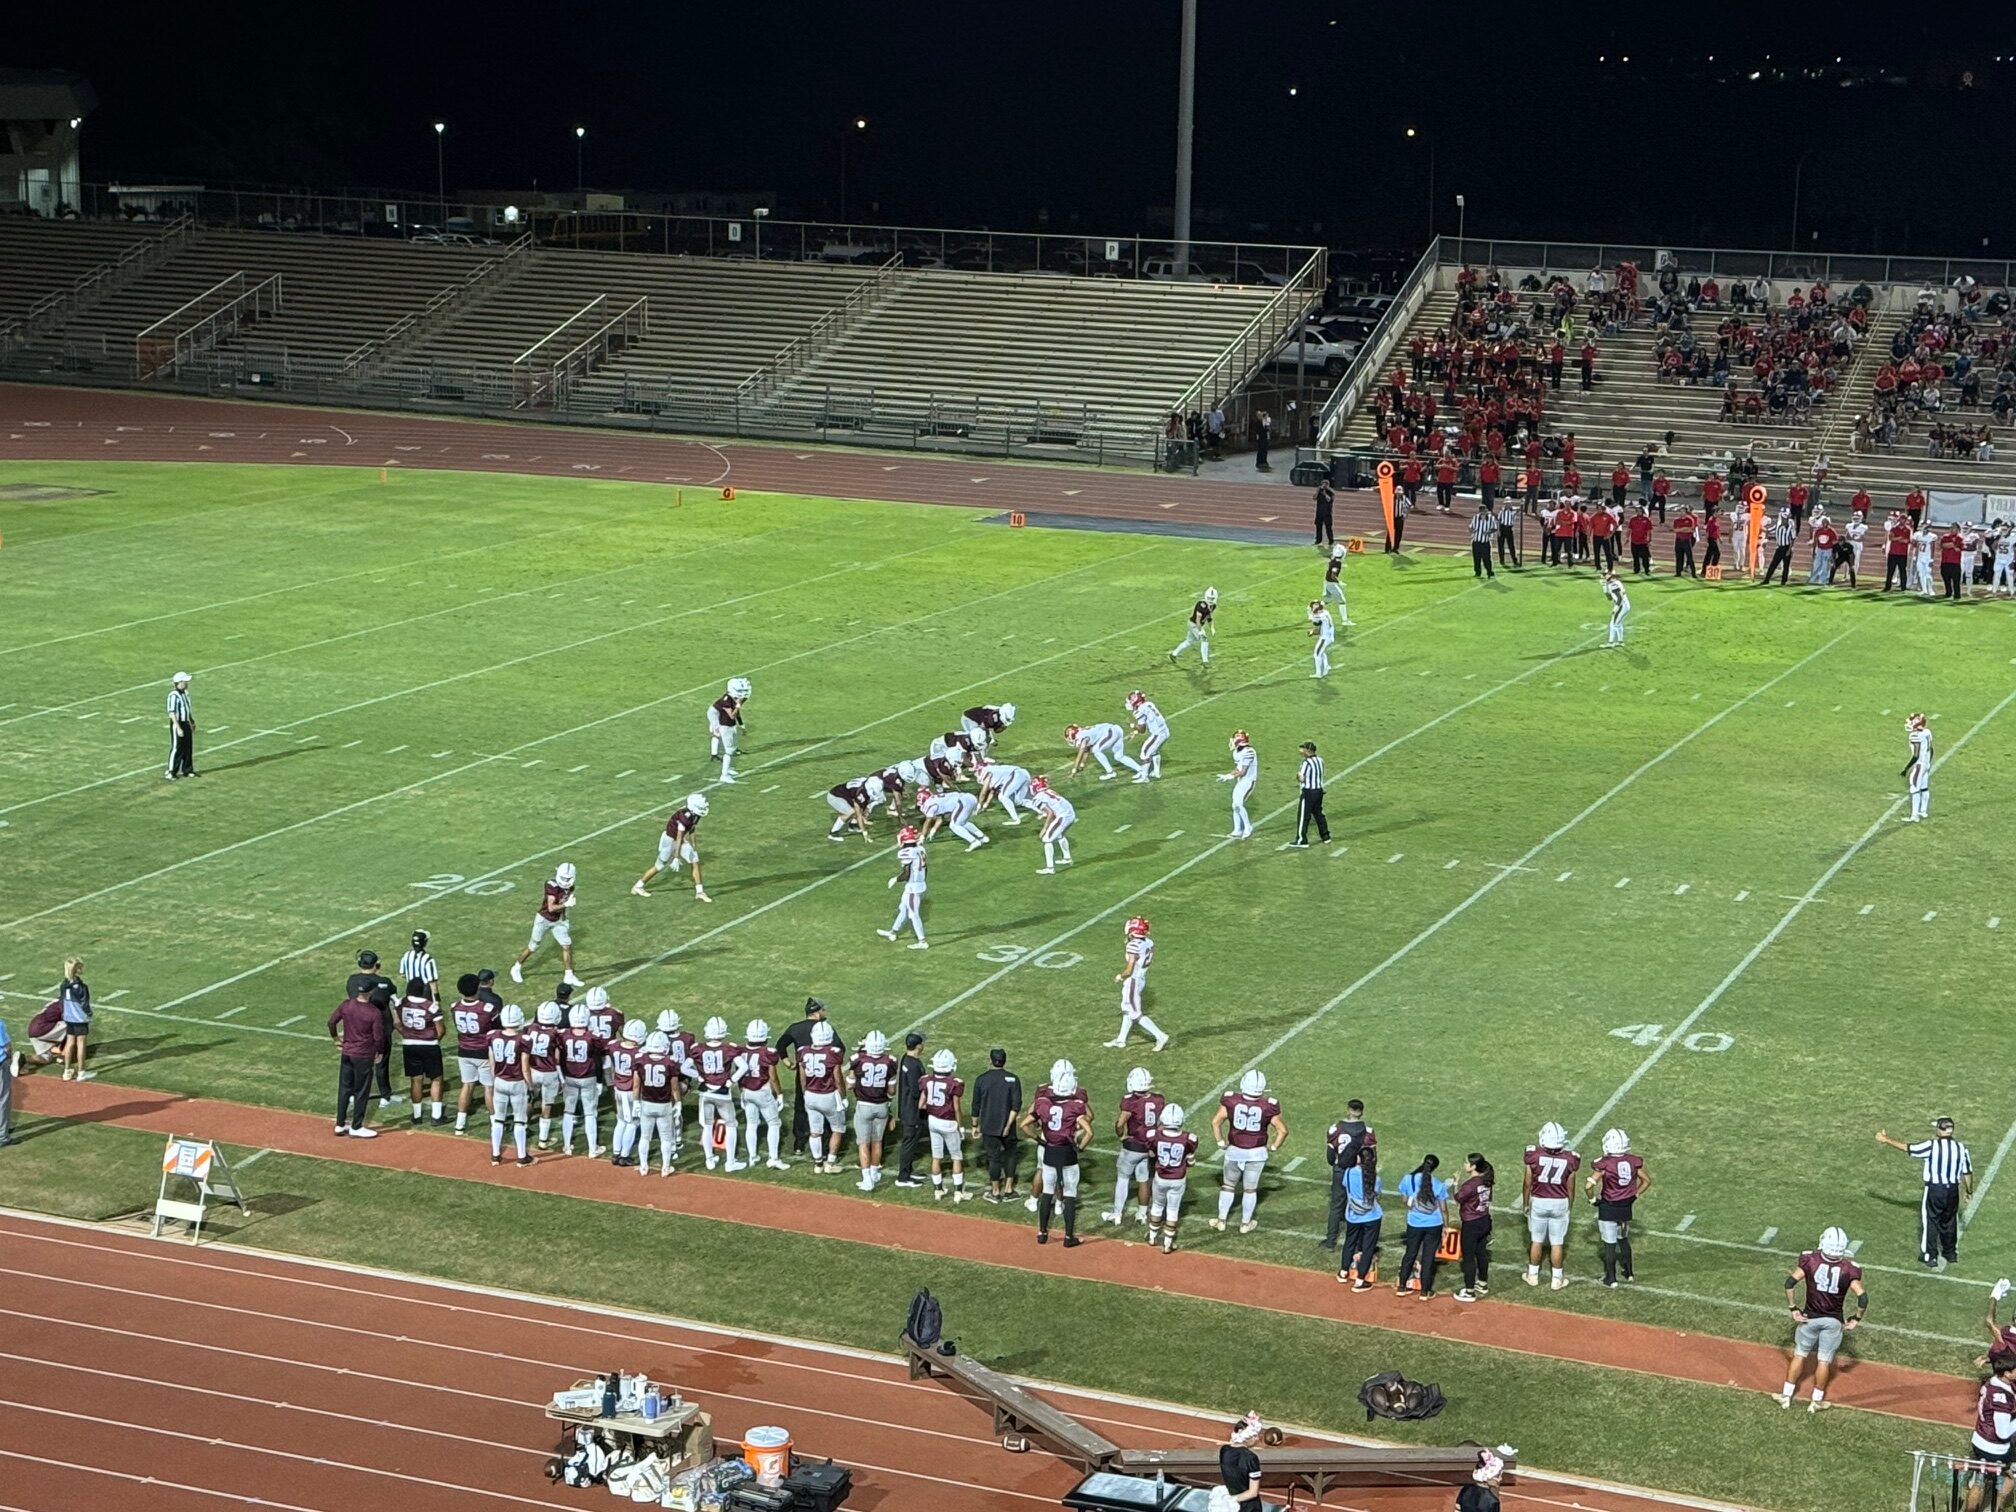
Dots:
(1427, 1199)
(1361, 1220)
(76, 1020)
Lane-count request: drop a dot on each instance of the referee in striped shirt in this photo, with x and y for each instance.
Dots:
(1949, 1177)
(181, 730)
(419, 969)
(1310, 810)
(1784, 531)
(1483, 531)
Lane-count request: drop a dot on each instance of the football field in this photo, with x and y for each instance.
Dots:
(1662, 888)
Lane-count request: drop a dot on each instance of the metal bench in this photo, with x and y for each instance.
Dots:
(1017, 1411)
(1316, 1468)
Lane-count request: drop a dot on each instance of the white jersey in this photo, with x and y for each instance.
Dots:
(1013, 780)
(912, 856)
(1326, 627)
(1140, 956)
(1246, 765)
(1150, 718)
(953, 806)
(1055, 804)
(1101, 737)
(1920, 772)
(1614, 591)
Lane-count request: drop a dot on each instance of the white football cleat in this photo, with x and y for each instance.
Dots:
(1162, 1044)
(1046, 871)
(864, 1185)
(637, 890)
(960, 1194)
(572, 980)
(516, 974)
(1114, 1044)
(1109, 1217)
(920, 945)
(778, 1165)
(1559, 1283)
(737, 1165)
(1248, 1225)
(887, 934)
(699, 896)
(1218, 1224)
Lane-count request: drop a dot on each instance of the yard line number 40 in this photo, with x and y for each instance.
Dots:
(1644, 1036)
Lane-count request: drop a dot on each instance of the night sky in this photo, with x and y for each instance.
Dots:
(1015, 115)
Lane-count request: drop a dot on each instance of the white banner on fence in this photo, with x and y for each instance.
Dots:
(1944, 507)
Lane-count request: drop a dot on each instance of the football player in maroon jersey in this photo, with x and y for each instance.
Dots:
(1061, 1120)
(1173, 1153)
(1248, 1128)
(676, 845)
(1136, 1123)
(1830, 1275)
(1616, 1182)
(554, 900)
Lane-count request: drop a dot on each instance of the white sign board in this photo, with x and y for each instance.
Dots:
(200, 1162)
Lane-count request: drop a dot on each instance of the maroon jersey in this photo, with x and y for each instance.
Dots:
(1553, 1171)
(1057, 1117)
(1827, 1283)
(1201, 612)
(939, 770)
(507, 1050)
(819, 1067)
(715, 1066)
(419, 1021)
(580, 1054)
(1473, 1199)
(962, 740)
(988, 718)
(657, 1078)
(851, 793)
(474, 1020)
(605, 1024)
(892, 782)
(1618, 1176)
(1995, 1416)
(1174, 1155)
(623, 1065)
(1247, 1119)
(727, 710)
(553, 902)
(542, 1043)
(759, 1063)
(938, 1095)
(682, 823)
(874, 1075)
(683, 1046)
(1141, 1110)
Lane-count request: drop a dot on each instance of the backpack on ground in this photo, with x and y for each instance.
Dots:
(1392, 1395)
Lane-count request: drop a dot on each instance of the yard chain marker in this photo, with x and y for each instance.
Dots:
(1784, 923)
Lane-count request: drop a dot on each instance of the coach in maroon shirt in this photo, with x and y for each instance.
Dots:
(358, 1029)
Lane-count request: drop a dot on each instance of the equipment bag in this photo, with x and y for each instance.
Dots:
(926, 1320)
(1392, 1395)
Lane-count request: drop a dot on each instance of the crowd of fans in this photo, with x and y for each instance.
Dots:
(1949, 372)
(1772, 363)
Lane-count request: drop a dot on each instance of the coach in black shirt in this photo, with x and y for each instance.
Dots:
(1346, 1138)
(368, 983)
(793, 1040)
(486, 989)
(909, 1117)
(997, 1099)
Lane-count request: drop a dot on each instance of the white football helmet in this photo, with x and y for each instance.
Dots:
(759, 1031)
(1253, 1084)
(697, 802)
(1211, 596)
(577, 1016)
(658, 1044)
(1007, 715)
(550, 1014)
(1138, 1080)
(1552, 1136)
(738, 687)
(513, 1016)
(876, 792)
(875, 1043)
(944, 1063)
(1063, 1078)
(1616, 1142)
(1172, 1116)
(668, 1021)
(598, 997)
(633, 1031)
(716, 1030)
(1834, 1243)
(1337, 552)
(564, 874)
(822, 1034)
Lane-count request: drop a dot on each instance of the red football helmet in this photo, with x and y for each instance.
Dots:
(1914, 722)
(1137, 928)
(1071, 735)
(1039, 785)
(907, 835)
(923, 796)
(1239, 739)
(1136, 699)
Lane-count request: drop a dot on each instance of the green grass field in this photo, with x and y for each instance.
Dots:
(1661, 888)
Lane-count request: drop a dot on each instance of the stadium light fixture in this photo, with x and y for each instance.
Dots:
(75, 122)
(441, 170)
(1429, 137)
(854, 126)
(580, 148)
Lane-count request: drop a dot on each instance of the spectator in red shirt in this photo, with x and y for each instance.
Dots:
(1950, 546)
(1568, 444)
(1711, 528)
(1898, 535)
(1620, 484)
(1488, 474)
(1410, 479)
(1561, 534)
(1662, 486)
(1914, 506)
(1795, 500)
(1445, 483)
(1640, 527)
(1711, 492)
(1684, 527)
(1861, 503)
(1603, 539)
(1588, 360)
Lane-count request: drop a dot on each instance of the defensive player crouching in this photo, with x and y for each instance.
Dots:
(1548, 1192)
(851, 801)
(621, 1060)
(1617, 1181)
(1060, 1119)
(556, 898)
(676, 845)
(762, 1097)
(715, 1066)
(1136, 1124)
(1245, 772)
(1174, 1153)
(542, 1052)
(821, 1075)
(986, 723)
(1133, 980)
(1198, 632)
(474, 1019)
(1829, 1275)
(1058, 817)
(725, 721)
(955, 810)
(1248, 1128)
(872, 1076)
(1154, 728)
(580, 1080)
(938, 1095)
(1103, 743)
(910, 872)
(510, 1074)
(1003, 783)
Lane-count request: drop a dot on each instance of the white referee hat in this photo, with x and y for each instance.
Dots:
(181, 677)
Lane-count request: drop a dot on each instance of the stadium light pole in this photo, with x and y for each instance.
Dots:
(847, 132)
(1186, 125)
(441, 171)
(1798, 173)
(580, 174)
(1429, 136)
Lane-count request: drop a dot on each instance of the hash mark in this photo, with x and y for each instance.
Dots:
(1742, 895)
(349, 743)
(1623, 882)
(1684, 1224)
(1395, 857)
(1769, 1235)
(395, 750)
(630, 772)
(773, 787)
(1681, 889)
(1175, 835)
(1293, 1163)
(287, 1023)
(1451, 865)
(1339, 851)
(92, 715)
(1930, 915)
(119, 994)
(1122, 829)
(1867, 909)
(135, 719)
(1564, 876)
(1995, 922)
(439, 754)
(233, 1012)
(535, 761)
(581, 768)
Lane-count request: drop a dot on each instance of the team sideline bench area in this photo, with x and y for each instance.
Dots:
(1314, 1468)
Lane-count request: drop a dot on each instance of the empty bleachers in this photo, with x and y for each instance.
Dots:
(39, 258)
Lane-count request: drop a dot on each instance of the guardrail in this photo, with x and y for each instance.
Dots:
(802, 352)
(179, 335)
(1257, 342)
(1370, 362)
(425, 320)
(537, 380)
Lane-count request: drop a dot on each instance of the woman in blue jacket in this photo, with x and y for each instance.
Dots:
(1427, 1199)
(1361, 1220)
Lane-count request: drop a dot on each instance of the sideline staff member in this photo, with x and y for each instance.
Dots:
(368, 983)
(1948, 1178)
(997, 1102)
(181, 730)
(359, 1031)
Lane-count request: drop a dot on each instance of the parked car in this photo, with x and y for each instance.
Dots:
(1165, 270)
(1317, 350)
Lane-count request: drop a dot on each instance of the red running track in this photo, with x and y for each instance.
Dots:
(158, 1377)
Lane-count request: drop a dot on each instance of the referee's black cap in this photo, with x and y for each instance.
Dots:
(814, 1005)
(367, 959)
(1944, 1123)
(485, 977)
(419, 939)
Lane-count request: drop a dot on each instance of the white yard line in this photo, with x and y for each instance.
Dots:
(1784, 923)
(1317, 1015)
(1988, 1176)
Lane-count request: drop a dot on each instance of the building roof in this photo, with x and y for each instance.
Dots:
(44, 94)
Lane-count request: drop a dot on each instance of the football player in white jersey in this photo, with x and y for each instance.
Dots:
(1198, 632)
(1917, 773)
(1323, 630)
(1133, 980)
(1004, 783)
(1058, 817)
(725, 719)
(1245, 772)
(1154, 734)
(1620, 605)
(910, 872)
(1103, 743)
(954, 810)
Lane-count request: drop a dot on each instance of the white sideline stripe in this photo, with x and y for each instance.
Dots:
(1988, 1176)
(1784, 922)
(443, 682)
(1204, 855)
(1317, 1015)
(466, 766)
(162, 1010)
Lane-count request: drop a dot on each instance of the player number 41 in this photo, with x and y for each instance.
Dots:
(1052, 960)
(1644, 1036)
(448, 882)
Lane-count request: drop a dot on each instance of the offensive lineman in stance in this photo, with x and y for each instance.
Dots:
(1917, 773)
(1133, 980)
(1061, 1120)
